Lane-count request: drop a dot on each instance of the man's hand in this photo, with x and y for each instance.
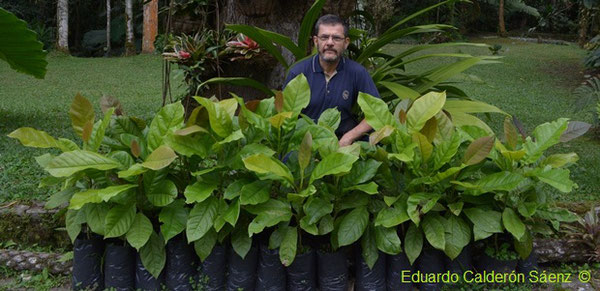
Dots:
(349, 137)
(346, 140)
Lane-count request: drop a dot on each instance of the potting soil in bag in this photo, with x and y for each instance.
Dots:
(143, 279)
(271, 273)
(180, 270)
(119, 267)
(370, 279)
(212, 270)
(397, 264)
(332, 270)
(87, 264)
(524, 266)
(242, 271)
(302, 273)
(431, 261)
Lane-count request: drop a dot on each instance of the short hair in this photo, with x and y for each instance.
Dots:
(330, 19)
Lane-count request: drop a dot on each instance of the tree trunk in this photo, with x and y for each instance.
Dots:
(150, 26)
(62, 19)
(583, 25)
(501, 26)
(284, 19)
(129, 42)
(107, 53)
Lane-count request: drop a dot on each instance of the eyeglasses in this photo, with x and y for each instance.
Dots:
(335, 38)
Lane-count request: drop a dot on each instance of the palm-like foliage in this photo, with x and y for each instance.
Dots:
(513, 6)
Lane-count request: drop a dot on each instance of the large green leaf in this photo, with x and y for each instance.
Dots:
(362, 171)
(168, 119)
(73, 221)
(458, 235)
(445, 151)
(392, 216)
(268, 214)
(264, 164)
(557, 178)
(69, 163)
(420, 203)
(387, 240)
(478, 150)
(305, 152)
(161, 157)
(19, 46)
(232, 213)
(198, 191)
(513, 223)
(240, 241)
(352, 226)
(162, 194)
(502, 181)
(330, 118)
(486, 222)
(31, 137)
(173, 219)
(140, 231)
(546, 135)
(81, 113)
(376, 111)
(95, 215)
(335, 163)
(99, 130)
(240, 81)
(315, 208)
(205, 245)
(220, 120)
(524, 246)
(79, 199)
(296, 95)
(423, 109)
(119, 220)
(189, 145)
(433, 227)
(201, 219)
(153, 255)
(289, 243)
(560, 160)
(368, 245)
(255, 193)
(413, 243)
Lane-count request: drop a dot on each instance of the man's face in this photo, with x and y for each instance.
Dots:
(330, 42)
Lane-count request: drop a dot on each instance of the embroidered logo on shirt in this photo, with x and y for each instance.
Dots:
(345, 94)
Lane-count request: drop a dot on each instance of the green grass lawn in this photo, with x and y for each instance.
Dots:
(44, 104)
(534, 83)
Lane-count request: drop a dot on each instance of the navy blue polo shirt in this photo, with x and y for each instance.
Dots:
(340, 92)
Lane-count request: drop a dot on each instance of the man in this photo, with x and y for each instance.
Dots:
(335, 80)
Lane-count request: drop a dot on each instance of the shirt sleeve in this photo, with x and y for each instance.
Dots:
(365, 83)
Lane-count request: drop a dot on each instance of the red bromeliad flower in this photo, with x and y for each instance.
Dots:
(184, 55)
(245, 42)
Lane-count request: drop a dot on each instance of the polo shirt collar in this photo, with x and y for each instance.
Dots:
(316, 66)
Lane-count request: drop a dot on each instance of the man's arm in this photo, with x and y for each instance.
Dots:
(352, 135)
